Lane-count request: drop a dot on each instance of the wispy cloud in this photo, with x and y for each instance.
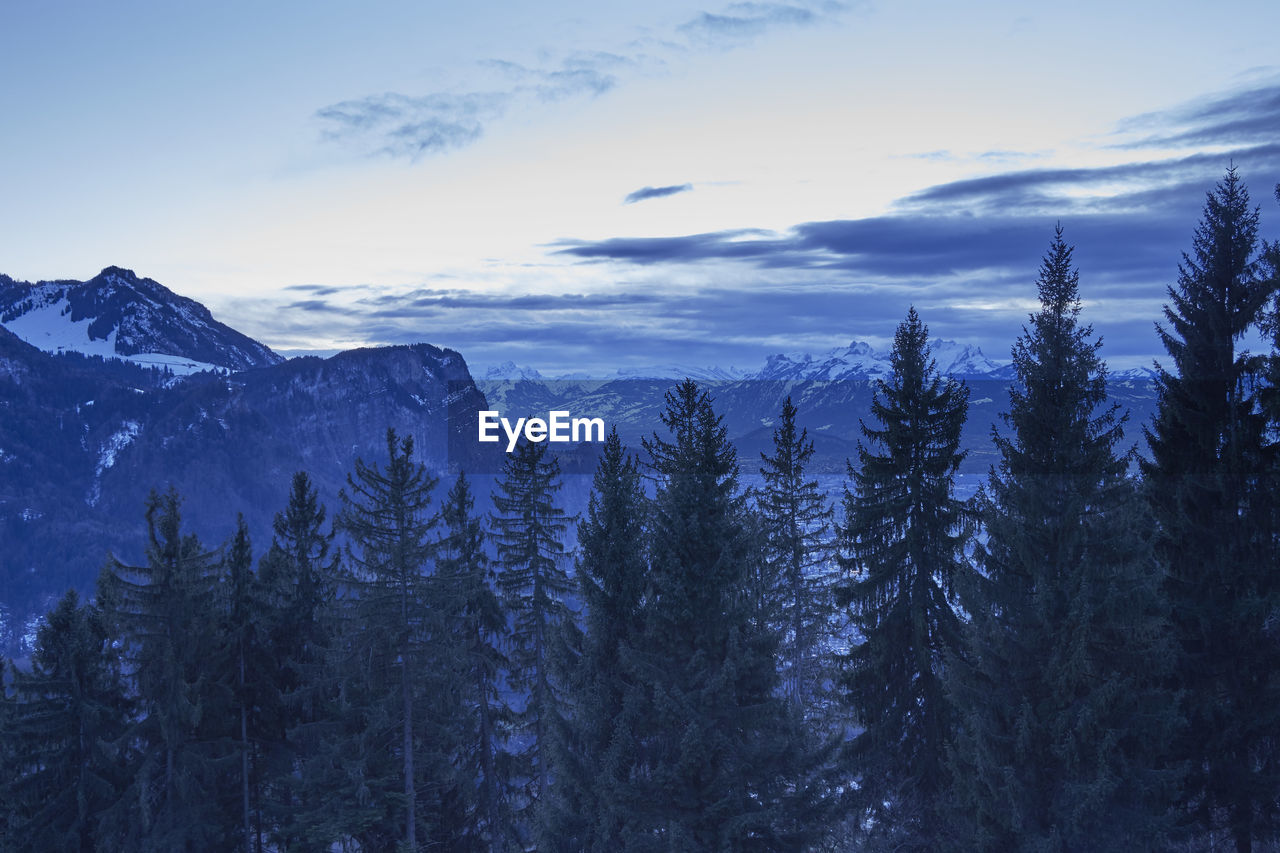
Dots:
(411, 126)
(1244, 117)
(645, 193)
(747, 20)
(408, 126)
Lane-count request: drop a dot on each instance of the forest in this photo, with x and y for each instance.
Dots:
(1084, 656)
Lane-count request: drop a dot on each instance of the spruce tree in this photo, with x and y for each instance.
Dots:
(298, 577)
(160, 613)
(596, 746)
(905, 534)
(528, 530)
(1063, 716)
(386, 651)
(715, 765)
(1209, 488)
(798, 551)
(61, 735)
(477, 622)
(244, 659)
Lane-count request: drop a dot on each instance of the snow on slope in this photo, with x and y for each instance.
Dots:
(49, 327)
(116, 314)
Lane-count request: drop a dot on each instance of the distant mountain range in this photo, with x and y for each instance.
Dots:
(116, 385)
(858, 361)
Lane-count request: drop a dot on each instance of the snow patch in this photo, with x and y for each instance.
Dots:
(49, 327)
(118, 441)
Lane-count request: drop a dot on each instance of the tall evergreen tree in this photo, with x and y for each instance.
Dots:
(477, 622)
(1063, 718)
(1211, 496)
(528, 532)
(160, 615)
(595, 748)
(905, 534)
(60, 735)
(386, 650)
(797, 560)
(715, 764)
(298, 578)
(243, 656)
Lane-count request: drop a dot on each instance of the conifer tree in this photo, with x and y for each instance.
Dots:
(1210, 492)
(244, 657)
(297, 577)
(160, 614)
(715, 764)
(477, 622)
(1063, 716)
(386, 649)
(797, 519)
(60, 735)
(905, 534)
(596, 746)
(528, 532)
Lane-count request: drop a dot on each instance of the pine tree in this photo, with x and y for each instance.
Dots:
(386, 650)
(298, 578)
(715, 764)
(797, 521)
(1210, 494)
(60, 735)
(596, 746)
(528, 532)
(905, 534)
(477, 622)
(244, 656)
(160, 614)
(1063, 719)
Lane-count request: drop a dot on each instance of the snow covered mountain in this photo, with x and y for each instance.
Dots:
(857, 361)
(116, 314)
(860, 361)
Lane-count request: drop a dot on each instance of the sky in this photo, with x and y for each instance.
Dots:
(587, 187)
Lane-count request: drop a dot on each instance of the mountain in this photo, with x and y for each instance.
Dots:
(832, 392)
(858, 361)
(116, 314)
(84, 438)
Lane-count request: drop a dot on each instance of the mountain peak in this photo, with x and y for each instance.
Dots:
(117, 272)
(117, 314)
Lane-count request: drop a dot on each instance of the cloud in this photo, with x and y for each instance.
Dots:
(317, 289)
(914, 248)
(645, 193)
(411, 126)
(965, 253)
(747, 20)
(1061, 189)
(580, 73)
(1242, 117)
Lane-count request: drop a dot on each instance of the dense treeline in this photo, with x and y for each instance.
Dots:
(1084, 656)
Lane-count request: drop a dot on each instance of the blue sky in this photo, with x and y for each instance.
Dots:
(585, 186)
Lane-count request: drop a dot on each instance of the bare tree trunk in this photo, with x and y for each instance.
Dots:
(244, 759)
